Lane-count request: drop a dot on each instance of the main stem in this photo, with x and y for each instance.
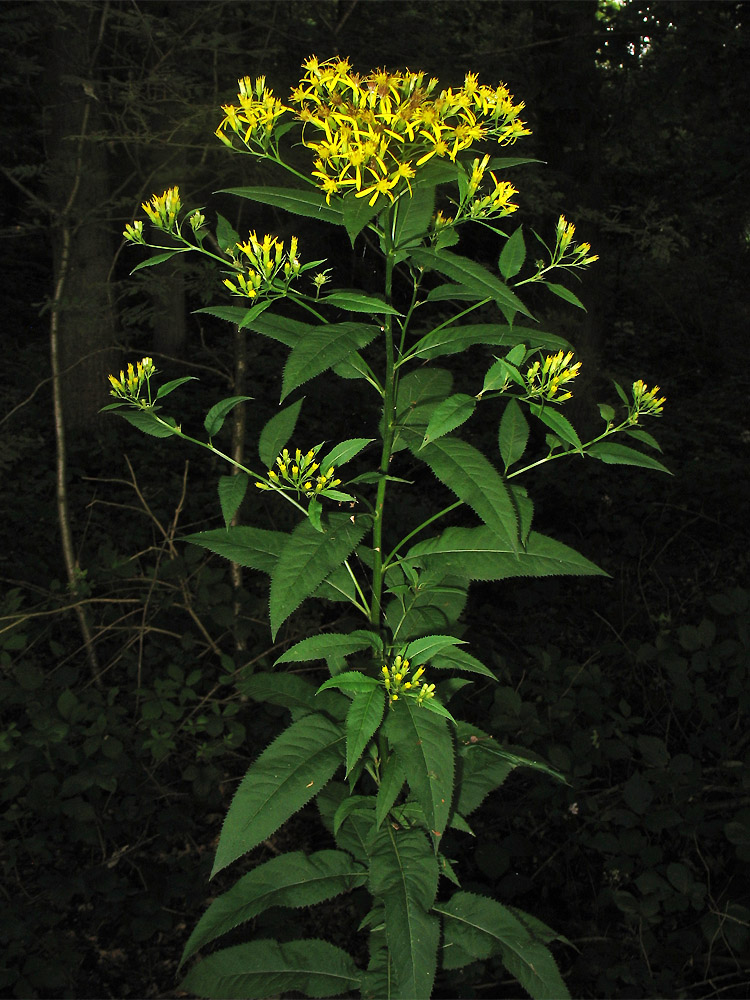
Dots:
(389, 423)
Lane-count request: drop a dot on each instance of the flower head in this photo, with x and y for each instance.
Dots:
(543, 379)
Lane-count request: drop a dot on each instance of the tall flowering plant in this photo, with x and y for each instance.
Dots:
(404, 164)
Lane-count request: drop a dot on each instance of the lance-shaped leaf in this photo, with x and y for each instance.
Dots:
(473, 479)
(404, 874)
(218, 414)
(158, 258)
(307, 558)
(414, 214)
(564, 293)
(256, 548)
(459, 659)
(557, 423)
(344, 451)
(614, 453)
(281, 328)
(322, 347)
(287, 774)
(265, 968)
(353, 681)
(392, 780)
(164, 390)
(277, 433)
(421, 650)
(483, 927)
(318, 647)
(449, 415)
(481, 555)
(362, 719)
(289, 880)
(513, 434)
(513, 255)
(292, 692)
(470, 274)
(232, 491)
(358, 302)
(147, 421)
(455, 339)
(307, 202)
(423, 744)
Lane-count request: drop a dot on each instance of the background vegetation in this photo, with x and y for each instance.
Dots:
(125, 662)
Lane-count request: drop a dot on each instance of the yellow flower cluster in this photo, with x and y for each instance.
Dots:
(645, 401)
(371, 133)
(566, 254)
(298, 473)
(397, 682)
(129, 386)
(163, 209)
(264, 261)
(496, 203)
(545, 378)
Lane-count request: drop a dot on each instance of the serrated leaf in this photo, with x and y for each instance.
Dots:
(219, 412)
(353, 681)
(449, 415)
(644, 437)
(226, 235)
(456, 339)
(513, 255)
(292, 692)
(470, 274)
(404, 874)
(256, 548)
(318, 647)
(321, 348)
(293, 880)
(265, 967)
(358, 213)
(424, 746)
(414, 214)
(277, 433)
(483, 927)
(146, 421)
(459, 659)
(344, 452)
(168, 387)
(513, 433)
(451, 292)
(480, 555)
(307, 558)
(232, 314)
(421, 650)
(613, 453)
(465, 471)
(362, 720)
(309, 203)
(158, 258)
(358, 302)
(288, 773)
(479, 772)
(232, 491)
(606, 412)
(557, 423)
(392, 780)
(281, 329)
(564, 293)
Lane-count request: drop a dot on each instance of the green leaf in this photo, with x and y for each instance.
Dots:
(450, 292)
(293, 880)
(158, 258)
(607, 412)
(419, 393)
(307, 558)
(404, 874)
(218, 414)
(322, 347)
(480, 555)
(392, 780)
(362, 720)
(562, 292)
(513, 255)
(470, 274)
(277, 433)
(421, 650)
(473, 479)
(358, 213)
(256, 548)
(424, 746)
(479, 772)
(309, 203)
(483, 927)
(503, 162)
(414, 214)
(459, 659)
(292, 692)
(343, 452)
(557, 423)
(613, 453)
(449, 415)
(232, 314)
(286, 331)
(513, 434)
(358, 302)
(643, 436)
(288, 773)
(226, 236)
(265, 968)
(146, 421)
(353, 681)
(318, 647)
(168, 387)
(456, 339)
(232, 491)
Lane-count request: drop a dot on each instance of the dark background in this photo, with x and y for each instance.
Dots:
(117, 769)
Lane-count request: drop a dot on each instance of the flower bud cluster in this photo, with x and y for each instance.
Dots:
(543, 379)
(298, 473)
(266, 266)
(129, 386)
(397, 682)
(645, 401)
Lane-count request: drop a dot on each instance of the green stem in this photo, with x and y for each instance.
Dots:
(441, 326)
(421, 527)
(571, 451)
